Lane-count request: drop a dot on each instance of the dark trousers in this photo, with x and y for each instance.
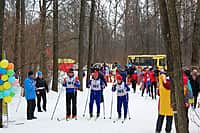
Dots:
(30, 108)
(160, 123)
(41, 94)
(153, 87)
(134, 85)
(122, 100)
(95, 96)
(195, 102)
(147, 87)
(71, 98)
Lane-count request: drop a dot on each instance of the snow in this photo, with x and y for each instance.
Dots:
(143, 112)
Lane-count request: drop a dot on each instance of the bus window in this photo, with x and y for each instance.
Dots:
(162, 62)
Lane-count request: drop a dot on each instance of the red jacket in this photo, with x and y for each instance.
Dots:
(145, 76)
(152, 76)
(134, 77)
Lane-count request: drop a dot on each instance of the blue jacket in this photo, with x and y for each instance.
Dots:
(29, 87)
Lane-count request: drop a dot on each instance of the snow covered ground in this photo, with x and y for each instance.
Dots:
(143, 111)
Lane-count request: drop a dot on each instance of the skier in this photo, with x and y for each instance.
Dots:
(153, 83)
(72, 84)
(134, 79)
(30, 95)
(96, 85)
(164, 105)
(41, 89)
(122, 96)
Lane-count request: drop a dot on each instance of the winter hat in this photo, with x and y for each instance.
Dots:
(30, 73)
(39, 73)
(119, 77)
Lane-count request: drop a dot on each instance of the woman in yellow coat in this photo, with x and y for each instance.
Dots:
(164, 105)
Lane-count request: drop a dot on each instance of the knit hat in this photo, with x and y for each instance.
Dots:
(119, 77)
(39, 73)
(30, 73)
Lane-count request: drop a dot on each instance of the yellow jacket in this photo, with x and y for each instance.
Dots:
(164, 106)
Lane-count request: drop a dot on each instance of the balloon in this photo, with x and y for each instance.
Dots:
(1, 94)
(12, 94)
(1, 82)
(7, 99)
(6, 85)
(1, 88)
(6, 93)
(4, 63)
(3, 71)
(4, 77)
(10, 66)
(10, 72)
(11, 79)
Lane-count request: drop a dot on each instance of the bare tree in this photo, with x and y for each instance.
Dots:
(91, 42)
(196, 38)
(175, 61)
(55, 45)
(22, 42)
(43, 57)
(2, 5)
(81, 42)
(17, 28)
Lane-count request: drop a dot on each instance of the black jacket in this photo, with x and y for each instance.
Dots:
(41, 82)
(195, 85)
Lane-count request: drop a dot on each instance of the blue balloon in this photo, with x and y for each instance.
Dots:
(1, 94)
(1, 82)
(3, 71)
(6, 93)
(11, 79)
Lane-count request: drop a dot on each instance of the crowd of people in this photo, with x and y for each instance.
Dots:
(152, 83)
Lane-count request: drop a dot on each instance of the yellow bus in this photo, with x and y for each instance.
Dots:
(148, 60)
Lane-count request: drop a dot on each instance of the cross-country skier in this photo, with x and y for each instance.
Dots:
(122, 96)
(96, 85)
(72, 84)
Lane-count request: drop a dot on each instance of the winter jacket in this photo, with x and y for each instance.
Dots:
(165, 98)
(29, 88)
(152, 76)
(41, 84)
(96, 85)
(122, 89)
(195, 84)
(71, 84)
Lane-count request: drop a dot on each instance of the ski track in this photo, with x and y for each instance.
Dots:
(143, 113)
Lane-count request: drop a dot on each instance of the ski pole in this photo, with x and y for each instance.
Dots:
(111, 106)
(104, 109)
(56, 104)
(86, 102)
(129, 115)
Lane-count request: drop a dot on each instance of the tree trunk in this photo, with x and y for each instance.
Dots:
(196, 38)
(2, 5)
(81, 42)
(16, 45)
(43, 39)
(55, 46)
(22, 42)
(167, 43)
(176, 75)
(91, 42)
(126, 32)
